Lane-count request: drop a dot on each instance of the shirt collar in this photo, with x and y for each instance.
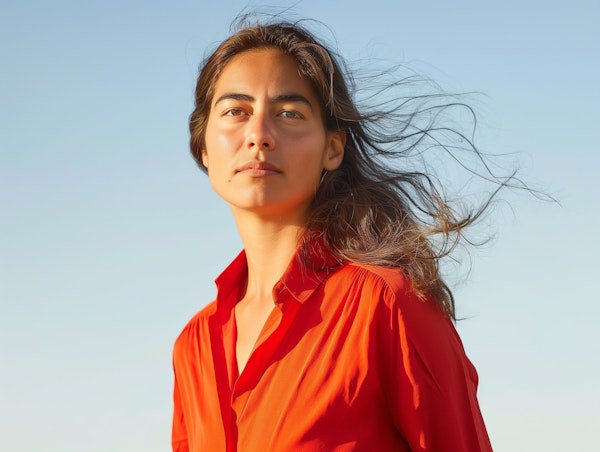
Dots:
(309, 267)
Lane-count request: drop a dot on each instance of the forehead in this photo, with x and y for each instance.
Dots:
(266, 69)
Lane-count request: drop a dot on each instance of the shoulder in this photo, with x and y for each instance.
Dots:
(393, 278)
(392, 282)
(399, 311)
(390, 290)
(195, 328)
(201, 317)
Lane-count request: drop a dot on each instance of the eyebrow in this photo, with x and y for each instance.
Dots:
(281, 98)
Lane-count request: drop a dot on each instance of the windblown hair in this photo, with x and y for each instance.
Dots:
(367, 211)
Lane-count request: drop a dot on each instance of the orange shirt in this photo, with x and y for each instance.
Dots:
(349, 360)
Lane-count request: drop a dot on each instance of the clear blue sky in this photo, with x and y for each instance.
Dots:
(110, 238)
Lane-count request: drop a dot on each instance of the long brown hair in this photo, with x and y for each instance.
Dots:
(367, 211)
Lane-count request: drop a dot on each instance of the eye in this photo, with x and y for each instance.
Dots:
(234, 112)
(290, 114)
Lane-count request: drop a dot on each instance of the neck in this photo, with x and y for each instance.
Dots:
(269, 247)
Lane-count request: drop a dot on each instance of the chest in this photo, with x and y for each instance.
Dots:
(310, 375)
(249, 322)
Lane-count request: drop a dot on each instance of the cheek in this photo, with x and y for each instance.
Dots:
(219, 176)
(221, 141)
(310, 151)
(308, 160)
(216, 152)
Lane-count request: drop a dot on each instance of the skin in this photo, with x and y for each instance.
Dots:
(265, 149)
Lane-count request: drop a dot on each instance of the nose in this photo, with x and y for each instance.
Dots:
(260, 133)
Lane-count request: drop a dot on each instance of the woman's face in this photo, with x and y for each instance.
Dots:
(265, 144)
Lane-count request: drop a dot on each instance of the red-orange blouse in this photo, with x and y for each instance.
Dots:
(349, 360)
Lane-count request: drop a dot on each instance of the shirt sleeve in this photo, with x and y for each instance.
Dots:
(179, 439)
(432, 383)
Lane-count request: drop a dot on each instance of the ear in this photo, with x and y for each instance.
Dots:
(205, 158)
(335, 149)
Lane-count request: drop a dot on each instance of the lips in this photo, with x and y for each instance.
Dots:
(258, 169)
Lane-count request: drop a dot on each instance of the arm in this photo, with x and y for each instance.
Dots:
(432, 383)
(179, 440)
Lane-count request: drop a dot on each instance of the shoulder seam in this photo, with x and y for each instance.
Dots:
(394, 278)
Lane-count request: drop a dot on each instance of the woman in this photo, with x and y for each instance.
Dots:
(332, 329)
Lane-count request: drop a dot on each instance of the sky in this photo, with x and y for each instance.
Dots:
(110, 237)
